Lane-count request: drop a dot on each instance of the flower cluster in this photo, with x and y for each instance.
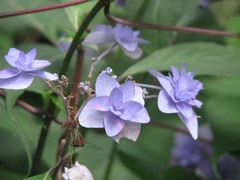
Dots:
(178, 95)
(24, 68)
(117, 108)
(123, 36)
(77, 172)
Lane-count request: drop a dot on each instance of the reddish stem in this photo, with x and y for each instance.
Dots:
(209, 32)
(41, 9)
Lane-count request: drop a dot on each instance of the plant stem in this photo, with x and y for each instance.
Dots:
(110, 161)
(97, 60)
(100, 4)
(42, 141)
(148, 86)
(209, 32)
(41, 9)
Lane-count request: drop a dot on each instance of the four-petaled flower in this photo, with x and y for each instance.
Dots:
(24, 69)
(77, 172)
(117, 108)
(178, 95)
(123, 36)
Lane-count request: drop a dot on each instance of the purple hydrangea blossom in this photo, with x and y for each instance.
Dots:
(123, 36)
(117, 108)
(24, 68)
(178, 95)
(194, 155)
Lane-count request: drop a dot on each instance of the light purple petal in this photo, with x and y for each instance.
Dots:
(44, 75)
(191, 124)
(195, 102)
(90, 117)
(31, 55)
(130, 131)
(21, 60)
(116, 97)
(129, 46)
(165, 103)
(101, 103)
(21, 81)
(99, 37)
(13, 52)
(138, 97)
(130, 109)
(38, 64)
(128, 90)
(105, 84)
(141, 116)
(175, 72)
(134, 54)
(9, 72)
(142, 41)
(113, 124)
(186, 110)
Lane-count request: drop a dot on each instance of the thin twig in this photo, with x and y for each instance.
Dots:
(150, 97)
(177, 129)
(100, 4)
(97, 60)
(148, 86)
(209, 32)
(41, 9)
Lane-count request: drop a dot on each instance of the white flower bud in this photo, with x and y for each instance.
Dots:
(77, 172)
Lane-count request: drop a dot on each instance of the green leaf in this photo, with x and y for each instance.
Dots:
(221, 109)
(11, 97)
(43, 176)
(201, 58)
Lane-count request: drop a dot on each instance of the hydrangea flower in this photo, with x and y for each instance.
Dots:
(123, 36)
(77, 172)
(178, 95)
(24, 68)
(117, 108)
(194, 155)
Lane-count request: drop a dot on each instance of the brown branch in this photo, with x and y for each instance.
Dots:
(77, 76)
(177, 129)
(209, 32)
(41, 9)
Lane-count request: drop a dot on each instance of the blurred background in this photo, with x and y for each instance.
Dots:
(159, 153)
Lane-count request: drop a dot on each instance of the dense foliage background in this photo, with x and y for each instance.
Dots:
(215, 60)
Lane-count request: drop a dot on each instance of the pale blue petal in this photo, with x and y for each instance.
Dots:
(101, 103)
(21, 81)
(138, 95)
(44, 75)
(185, 109)
(105, 84)
(89, 117)
(165, 103)
(134, 54)
(130, 109)
(98, 37)
(141, 116)
(31, 55)
(38, 64)
(9, 72)
(116, 97)
(142, 41)
(128, 90)
(130, 131)
(129, 46)
(191, 124)
(113, 124)
(13, 52)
